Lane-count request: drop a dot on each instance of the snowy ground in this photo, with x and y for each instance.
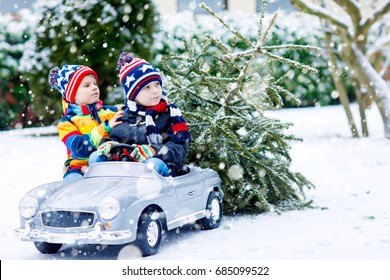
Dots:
(352, 220)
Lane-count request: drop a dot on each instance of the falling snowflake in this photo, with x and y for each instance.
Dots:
(236, 172)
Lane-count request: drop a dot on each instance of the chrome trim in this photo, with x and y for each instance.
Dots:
(95, 236)
(187, 218)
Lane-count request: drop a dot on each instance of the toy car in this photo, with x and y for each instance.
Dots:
(118, 202)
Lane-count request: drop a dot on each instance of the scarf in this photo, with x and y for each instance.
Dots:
(90, 109)
(179, 127)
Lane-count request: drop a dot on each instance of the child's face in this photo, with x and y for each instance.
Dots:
(150, 95)
(88, 91)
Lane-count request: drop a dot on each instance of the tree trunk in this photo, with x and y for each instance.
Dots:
(362, 101)
(343, 97)
(355, 38)
(374, 83)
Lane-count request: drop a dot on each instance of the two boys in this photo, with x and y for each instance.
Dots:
(156, 128)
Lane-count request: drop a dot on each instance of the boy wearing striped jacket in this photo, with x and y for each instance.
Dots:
(86, 120)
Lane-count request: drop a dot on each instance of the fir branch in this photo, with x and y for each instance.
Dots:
(294, 47)
(238, 110)
(224, 49)
(263, 49)
(191, 93)
(278, 89)
(218, 43)
(268, 28)
(264, 5)
(236, 33)
(275, 99)
(222, 79)
(290, 62)
(240, 78)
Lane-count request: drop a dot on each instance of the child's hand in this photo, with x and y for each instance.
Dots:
(142, 152)
(105, 148)
(114, 121)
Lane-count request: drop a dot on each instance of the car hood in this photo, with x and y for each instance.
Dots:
(87, 193)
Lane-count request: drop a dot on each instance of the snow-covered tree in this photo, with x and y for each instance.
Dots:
(89, 32)
(224, 93)
(352, 23)
(15, 99)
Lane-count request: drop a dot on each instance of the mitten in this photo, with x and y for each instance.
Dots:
(105, 148)
(142, 153)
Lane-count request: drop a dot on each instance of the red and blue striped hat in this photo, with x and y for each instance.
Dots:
(67, 79)
(134, 74)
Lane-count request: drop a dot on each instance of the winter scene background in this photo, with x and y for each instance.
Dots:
(348, 220)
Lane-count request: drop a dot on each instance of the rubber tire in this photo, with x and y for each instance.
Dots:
(210, 221)
(47, 248)
(147, 220)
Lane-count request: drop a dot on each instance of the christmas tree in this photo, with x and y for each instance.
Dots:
(223, 94)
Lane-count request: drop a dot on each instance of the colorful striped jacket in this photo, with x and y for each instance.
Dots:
(81, 129)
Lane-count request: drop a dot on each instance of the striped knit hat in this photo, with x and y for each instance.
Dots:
(67, 79)
(134, 74)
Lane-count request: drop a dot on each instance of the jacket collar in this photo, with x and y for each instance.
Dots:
(85, 109)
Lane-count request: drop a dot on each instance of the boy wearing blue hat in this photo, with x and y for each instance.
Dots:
(155, 127)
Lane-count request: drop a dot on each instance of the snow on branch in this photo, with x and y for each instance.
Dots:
(376, 15)
(378, 45)
(385, 67)
(231, 29)
(264, 5)
(267, 48)
(268, 28)
(380, 86)
(263, 50)
(320, 12)
(291, 62)
(292, 46)
(353, 11)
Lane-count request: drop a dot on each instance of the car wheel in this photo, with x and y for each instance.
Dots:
(47, 248)
(213, 212)
(149, 233)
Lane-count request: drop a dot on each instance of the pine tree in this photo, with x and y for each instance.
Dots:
(223, 95)
(15, 100)
(91, 33)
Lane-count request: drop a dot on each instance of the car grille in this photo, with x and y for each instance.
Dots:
(67, 219)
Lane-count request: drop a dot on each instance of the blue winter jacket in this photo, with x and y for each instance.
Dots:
(132, 130)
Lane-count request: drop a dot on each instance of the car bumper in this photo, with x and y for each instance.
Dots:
(91, 236)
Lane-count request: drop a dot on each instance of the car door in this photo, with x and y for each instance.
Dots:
(188, 192)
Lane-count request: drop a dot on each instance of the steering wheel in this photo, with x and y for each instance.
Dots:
(121, 152)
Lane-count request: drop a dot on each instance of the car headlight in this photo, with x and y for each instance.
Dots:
(28, 207)
(108, 208)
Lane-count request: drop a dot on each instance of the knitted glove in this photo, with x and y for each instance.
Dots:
(105, 148)
(142, 153)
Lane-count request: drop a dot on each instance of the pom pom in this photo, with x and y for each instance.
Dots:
(52, 76)
(124, 58)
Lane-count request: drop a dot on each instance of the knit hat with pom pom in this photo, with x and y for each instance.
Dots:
(67, 79)
(134, 74)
